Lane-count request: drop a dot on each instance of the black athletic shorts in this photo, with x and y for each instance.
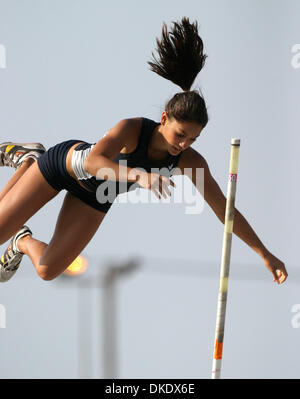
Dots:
(52, 165)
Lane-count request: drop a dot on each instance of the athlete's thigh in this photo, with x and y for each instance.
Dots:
(30, 193)
(76, 225)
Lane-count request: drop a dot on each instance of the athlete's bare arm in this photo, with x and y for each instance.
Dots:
(124, 135)
(215, 198)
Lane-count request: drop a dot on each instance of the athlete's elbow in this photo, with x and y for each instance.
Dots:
(94, 163)
(87, 165)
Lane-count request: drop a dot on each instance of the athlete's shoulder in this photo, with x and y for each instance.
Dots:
(191, 158)
(134, 122)
(140, 122)
(129, 124)
(126, 130)
(132, 131)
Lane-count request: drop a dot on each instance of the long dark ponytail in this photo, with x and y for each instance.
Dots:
(181, 58)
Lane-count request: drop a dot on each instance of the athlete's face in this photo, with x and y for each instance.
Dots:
(179, 135)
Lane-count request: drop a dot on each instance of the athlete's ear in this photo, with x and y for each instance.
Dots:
(164, 117)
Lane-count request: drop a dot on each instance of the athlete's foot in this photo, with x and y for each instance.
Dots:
(12, 257)
(14, 154)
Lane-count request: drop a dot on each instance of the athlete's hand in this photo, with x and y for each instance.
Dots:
(156, 183)
(276, 267)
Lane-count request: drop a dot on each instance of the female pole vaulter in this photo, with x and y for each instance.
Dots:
(83, 169)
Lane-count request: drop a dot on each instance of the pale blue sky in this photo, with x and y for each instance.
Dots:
(74, 69)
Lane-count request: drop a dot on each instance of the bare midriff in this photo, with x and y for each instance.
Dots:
(69, 165)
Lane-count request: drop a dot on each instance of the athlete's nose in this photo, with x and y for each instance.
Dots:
(183, 145)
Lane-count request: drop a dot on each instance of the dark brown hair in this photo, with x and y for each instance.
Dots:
(180, 60)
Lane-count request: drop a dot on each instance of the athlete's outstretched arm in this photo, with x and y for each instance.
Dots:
(215, 198)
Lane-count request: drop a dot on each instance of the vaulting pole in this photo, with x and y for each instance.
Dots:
(225, 263)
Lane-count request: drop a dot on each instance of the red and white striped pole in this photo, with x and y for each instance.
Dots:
(225, 264)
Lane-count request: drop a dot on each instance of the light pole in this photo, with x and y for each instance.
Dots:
(109, 327)
(105, 282)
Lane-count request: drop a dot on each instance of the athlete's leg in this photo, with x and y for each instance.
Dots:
(76, 225)
(19, 156)
(16, 176)
(30, 193)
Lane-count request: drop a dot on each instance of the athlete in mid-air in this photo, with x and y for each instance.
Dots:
(83, 168)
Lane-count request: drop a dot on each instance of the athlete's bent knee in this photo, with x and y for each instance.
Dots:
(44, 273)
